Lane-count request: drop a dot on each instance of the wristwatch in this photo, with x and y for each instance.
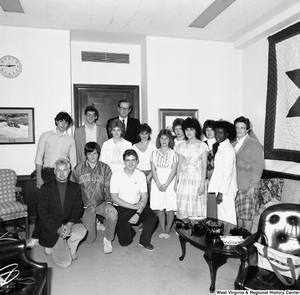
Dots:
(138, 213)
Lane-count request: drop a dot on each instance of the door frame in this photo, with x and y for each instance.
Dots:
(80, 89)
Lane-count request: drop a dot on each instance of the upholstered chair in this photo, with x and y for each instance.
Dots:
(12, 207)
(278, 228)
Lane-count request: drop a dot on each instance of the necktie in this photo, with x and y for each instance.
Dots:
(124, 124)
(215, 147)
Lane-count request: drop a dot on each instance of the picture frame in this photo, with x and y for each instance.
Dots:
(17, 126)
(278, 122)
(167, 116)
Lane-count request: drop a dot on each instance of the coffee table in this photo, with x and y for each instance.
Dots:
(214, 254)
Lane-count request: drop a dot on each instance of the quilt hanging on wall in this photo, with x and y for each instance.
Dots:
(282, 125)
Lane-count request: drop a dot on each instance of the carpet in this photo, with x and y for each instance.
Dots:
(133, 270)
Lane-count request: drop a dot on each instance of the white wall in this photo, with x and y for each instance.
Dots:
(191, 74)
(43, 84)
(255, 77)
(105, 73)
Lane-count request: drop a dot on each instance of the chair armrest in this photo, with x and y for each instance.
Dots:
(248, 254)
(15, 252)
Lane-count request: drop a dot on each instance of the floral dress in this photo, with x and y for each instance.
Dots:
(189, 202)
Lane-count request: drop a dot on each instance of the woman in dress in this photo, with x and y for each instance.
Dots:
(208, 132)
(163, 196)
(191, 172)
(249, 165)
(223, 182)
(144, 149)
(113, 149)
(177, 129)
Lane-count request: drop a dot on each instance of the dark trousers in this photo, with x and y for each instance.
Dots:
(47, 175)
(124, 229)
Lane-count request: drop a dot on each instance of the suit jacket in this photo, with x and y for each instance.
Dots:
(223, 179)
(133, 125)
(249, 163)
(80, 140)
(53, 215)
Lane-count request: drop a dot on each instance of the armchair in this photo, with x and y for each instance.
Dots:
(15, 252)
(12, 206)
(279, 228)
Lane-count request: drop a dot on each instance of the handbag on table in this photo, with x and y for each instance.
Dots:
(282, 264)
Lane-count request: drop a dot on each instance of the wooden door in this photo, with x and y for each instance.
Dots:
(105, 99)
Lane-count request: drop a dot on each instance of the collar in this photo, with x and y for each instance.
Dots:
(221, 144)
(241, 140)
(89, 166)
(55, 131)
(93, 127)
(125, 120)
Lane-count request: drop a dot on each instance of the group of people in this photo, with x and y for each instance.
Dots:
(118, 173)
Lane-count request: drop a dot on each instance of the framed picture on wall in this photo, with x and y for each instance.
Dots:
(167, 116)
(17, 126)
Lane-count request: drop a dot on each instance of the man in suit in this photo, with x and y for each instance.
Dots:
(60, 208)
(131, 124)
(90, 132)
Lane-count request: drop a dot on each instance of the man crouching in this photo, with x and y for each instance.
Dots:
(60, 208)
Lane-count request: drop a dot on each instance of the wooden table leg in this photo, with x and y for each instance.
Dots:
(183, 247)
(214, 261)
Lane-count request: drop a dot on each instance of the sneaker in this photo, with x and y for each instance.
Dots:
(31, 243)
(141, 227)
(161, 236)
(107, 246)
(100, 226)
(149, 247)
(48, 251)
(75, 256)
(167, 236)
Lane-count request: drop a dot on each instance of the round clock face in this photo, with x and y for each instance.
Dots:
(10, 66)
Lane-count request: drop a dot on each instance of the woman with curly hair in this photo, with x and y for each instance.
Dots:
(113, 149)
(223, 181)
(191, 172)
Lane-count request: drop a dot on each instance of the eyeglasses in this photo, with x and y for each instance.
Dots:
(124, 109)
(90, 115)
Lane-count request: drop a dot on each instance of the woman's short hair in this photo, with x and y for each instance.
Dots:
(91, 108)
(192, 123)
(167, 133)
(63, 116)
(144, 128)
(208, 124)
(61, 161)
(227, 126)
(116, 123)
(177, 122)
(92, 146)
(130, 152)
(244, 120)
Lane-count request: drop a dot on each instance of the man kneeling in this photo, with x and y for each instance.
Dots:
(94, 178)
(60, 208)
(129, 192)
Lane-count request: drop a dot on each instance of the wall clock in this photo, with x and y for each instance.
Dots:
(10, 66)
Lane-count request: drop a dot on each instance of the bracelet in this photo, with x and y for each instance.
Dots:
(110, 203)
(138, 213)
